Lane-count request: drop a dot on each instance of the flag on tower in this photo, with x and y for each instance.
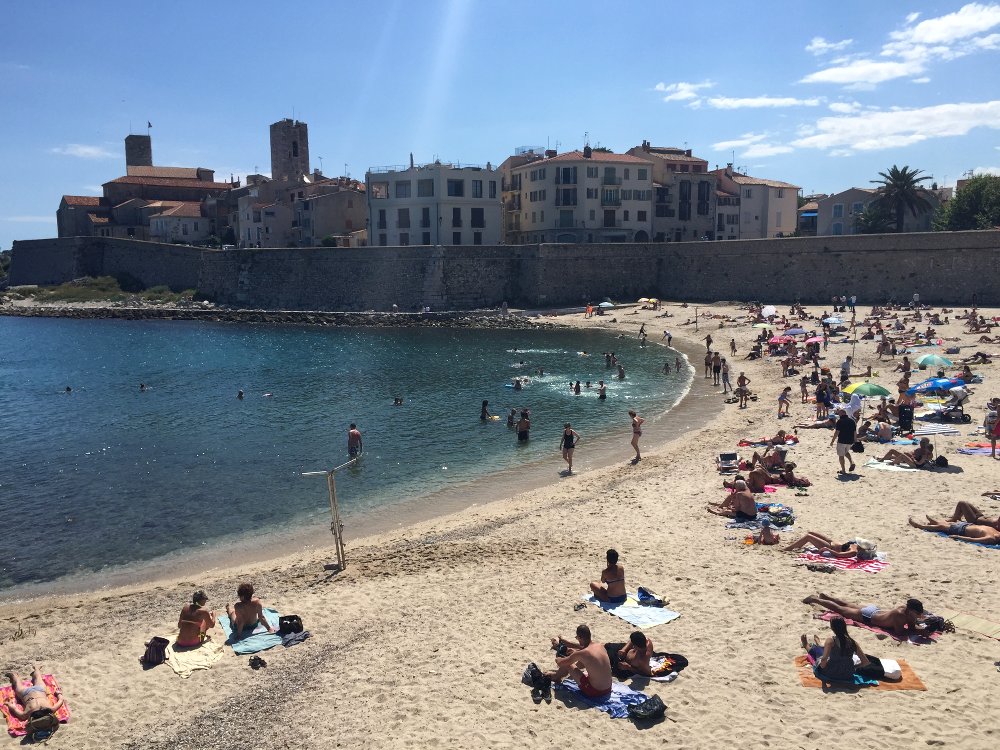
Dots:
(148, 124)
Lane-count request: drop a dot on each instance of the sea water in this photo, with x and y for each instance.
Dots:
(109, 475)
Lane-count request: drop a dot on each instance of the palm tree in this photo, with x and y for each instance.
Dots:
(875, 219)
(899, 190)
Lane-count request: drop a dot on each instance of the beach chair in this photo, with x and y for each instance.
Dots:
(728, 462)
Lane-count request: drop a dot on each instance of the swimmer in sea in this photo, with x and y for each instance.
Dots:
(602, 390)
(354, 446)
(142, 386)
(484, 413)
(512, 417)
(621, 372)
(68, 389)
(677, 364)
(576, 388)
(239, 395)
(666, 368)
(583, 354)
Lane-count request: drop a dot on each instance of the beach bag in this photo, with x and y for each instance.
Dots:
(41, 724)
(650, 709)
(858, 447)
(647, 598)
(288, 624)
(941, 461)
(866, 550)
(156, 651)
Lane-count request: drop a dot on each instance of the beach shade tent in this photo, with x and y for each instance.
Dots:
(833, 321)
(795, 331)
(866, 389)
(814, 340)
(933, 360)
(935, 384)
(768, 310)
(779, 339)
(606, 305)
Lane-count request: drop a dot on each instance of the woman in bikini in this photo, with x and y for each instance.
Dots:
(194, 622)
(636, 434)
(915, 459)
(570, 438)
(611, 587)
(33, 698)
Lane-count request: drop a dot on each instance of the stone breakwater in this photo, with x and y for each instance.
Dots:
(285, 317)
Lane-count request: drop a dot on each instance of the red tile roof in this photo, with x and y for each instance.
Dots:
(169, 182)
(602, 156)
(183, 173)
(182, 211)
(82, 200)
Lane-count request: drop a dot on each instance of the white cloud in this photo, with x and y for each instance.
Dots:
(845, 108)
(759, 150)
(820, 46)
(925, 79)
(756, 102)
(987, 170)
(31, 219)
(917, 45)
(82, 151)
(682, 91)
(870, 131)
(744, 140)
(865, 72)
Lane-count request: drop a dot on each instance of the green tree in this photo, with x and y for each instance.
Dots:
(975, 206)
(328, 241)
(899, 190)
(875, 219)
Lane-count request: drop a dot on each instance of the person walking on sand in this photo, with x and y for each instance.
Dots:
(570, 438)
(742, 390)
(708, 342)
(354, 446)
(708, 363)
(668, 336)
(716, 368)
(844, 434)
(642, 330)
(636, 434)
(726, 385)
(732, 347)
(784, 401)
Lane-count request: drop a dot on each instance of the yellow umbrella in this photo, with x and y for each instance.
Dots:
(644, 299)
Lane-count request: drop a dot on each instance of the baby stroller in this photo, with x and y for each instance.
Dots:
(955, 410)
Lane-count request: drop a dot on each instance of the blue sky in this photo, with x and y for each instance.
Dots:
(822, 95)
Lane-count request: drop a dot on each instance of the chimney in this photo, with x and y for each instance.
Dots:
(550, 152)
(645, 146)
(687, 153)
(411, 160)
(587, 152)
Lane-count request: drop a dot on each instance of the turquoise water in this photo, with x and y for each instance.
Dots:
(108, 475)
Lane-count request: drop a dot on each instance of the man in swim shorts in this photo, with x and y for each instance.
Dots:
(586, 662)
(964, 530)
(194, 621)
(247, 613)
(901, 621)
(34, 698)
(739, 505)
(354, 445)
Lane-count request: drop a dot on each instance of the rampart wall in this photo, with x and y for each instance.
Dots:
(952, 267)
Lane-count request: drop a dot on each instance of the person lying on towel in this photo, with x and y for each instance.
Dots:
(34, 698)
(964, 530)
(247, 613)
(585, 661)
(900, 621)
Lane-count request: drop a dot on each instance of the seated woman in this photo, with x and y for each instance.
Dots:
(611, 587)
(195, 621)
(860, 548)
(834, 661)
(247, 613)
(915, 459)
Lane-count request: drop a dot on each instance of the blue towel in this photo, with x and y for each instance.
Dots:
(966, 541)
(857, 681)
(259, 640)
(615, 705)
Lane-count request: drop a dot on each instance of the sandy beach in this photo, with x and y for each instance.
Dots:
(421, 642)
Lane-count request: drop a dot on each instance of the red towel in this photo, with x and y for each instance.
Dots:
(15, 727)
(845, 563)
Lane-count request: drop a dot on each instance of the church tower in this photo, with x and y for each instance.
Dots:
(289, 150)
(138, 151)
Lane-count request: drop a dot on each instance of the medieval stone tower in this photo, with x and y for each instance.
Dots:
(138, 151)
(289, 150)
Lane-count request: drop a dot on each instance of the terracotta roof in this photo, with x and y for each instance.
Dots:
(182, 211)
(745, 179)
(98, 218)
(169, 182)
(182, 173)
(82, 200)
(810, 206)
(674, 157)
(601, 156)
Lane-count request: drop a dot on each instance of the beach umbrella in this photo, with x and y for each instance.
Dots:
(815, 340)
(768, 310)
(795, 331)
(779, 339)
(643, 299)
(935, 384)
(936, 429)
(866, 389)
(653, 299)
(833, 321)
(606, 305)
(933, 360)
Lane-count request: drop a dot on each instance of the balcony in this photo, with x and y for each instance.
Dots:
(402, 225)
(611, 224)
(611, 198)
(611, 180)
(456, 222)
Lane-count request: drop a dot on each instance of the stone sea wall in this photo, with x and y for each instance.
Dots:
(953, 267)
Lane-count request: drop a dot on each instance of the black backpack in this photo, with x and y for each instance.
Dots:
(288, 624)
(156, 651)
(650, 709)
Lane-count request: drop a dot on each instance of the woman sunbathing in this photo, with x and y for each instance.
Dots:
(915, 459)
(828, 548)
(611, 587)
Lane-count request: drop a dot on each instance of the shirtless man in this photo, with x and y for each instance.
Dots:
(742, 389)
(967, 531)
(770, 460)
(634, 656)
(34, 698)
(901, 621)
(354, 445)
(245, 615)
(194, 621)
(739, 504)
(586, 662)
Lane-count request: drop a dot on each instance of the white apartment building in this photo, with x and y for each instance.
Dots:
(433, 204)
(684, 194)
(579, 197)
(753, 207)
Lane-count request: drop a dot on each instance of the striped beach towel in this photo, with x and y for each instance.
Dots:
(845, 563)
